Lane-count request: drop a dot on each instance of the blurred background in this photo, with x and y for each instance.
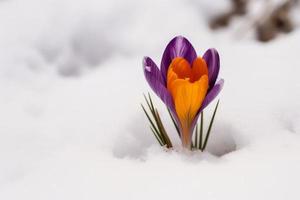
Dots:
(70, 37)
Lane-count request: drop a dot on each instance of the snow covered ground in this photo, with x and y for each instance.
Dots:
(71, 126)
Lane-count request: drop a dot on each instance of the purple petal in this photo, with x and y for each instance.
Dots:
(212, 59)
(154, 78)
(212, 94)
(177, 47)
(151, 68)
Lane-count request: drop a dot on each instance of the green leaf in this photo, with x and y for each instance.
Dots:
(156, 136)
(210, 126)
(196, 137)
(201, 130)
(156, 127)
(152, 124)
(155, 116)
(151, 103)
(162, 130)
(149, 106)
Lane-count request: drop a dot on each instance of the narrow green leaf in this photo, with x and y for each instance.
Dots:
(210, 125)
(152, 109)
(160, 127)
(149, 106)
(163, 131)
(151, 103)
(174, 122)
(158, 122)
(157, 137)
(196, 137)
(152, 124)
(156, 126)
(201, 130)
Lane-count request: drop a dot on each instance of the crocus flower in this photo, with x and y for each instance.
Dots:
(185, 82)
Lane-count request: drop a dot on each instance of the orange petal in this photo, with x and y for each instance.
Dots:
(181, 67)
(171, 77)
(199, 68)
(188, 98)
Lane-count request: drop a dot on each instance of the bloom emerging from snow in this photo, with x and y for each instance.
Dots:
(186, 83)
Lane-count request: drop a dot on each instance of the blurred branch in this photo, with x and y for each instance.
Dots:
(239, 7)
(273, 20)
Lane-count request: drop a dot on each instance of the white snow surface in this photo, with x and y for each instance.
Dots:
(71, 126)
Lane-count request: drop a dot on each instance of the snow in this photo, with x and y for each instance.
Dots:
(71, 82)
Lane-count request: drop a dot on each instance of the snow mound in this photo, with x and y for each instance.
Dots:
(72, 128)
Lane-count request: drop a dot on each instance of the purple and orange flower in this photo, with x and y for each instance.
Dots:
(185, 82)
